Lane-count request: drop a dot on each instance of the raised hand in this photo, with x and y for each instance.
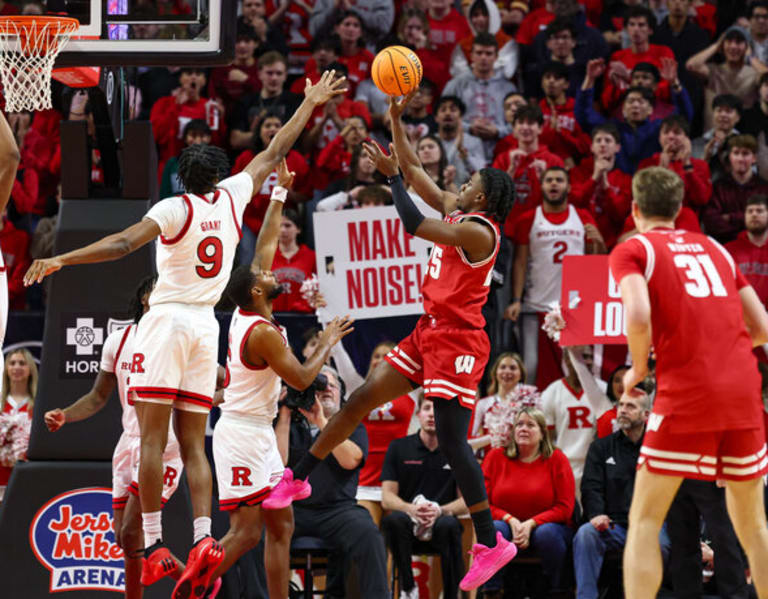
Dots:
(284, 176)
(326, 88)
(668, 69)
(387, 165)
(397, 107)
(337, 329)
(595, 68)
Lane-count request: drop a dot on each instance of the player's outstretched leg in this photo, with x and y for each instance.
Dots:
(492, 550)
(207, 553)
(245, 525)
(277, 554)
(744, 500)
(383, 385)
(643, 568)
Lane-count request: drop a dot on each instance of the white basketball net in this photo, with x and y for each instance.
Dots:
(27, 53)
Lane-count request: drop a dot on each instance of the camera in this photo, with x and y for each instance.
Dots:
(305, 399)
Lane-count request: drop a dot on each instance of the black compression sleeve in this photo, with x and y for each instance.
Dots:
(409, 213)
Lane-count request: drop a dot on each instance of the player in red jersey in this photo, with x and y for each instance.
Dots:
(683, 293)
(448, 350)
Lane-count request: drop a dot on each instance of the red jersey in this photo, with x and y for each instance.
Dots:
(533, 24)
(707, 377)
(445, 33)
(697, 181)
(454, 288)
(384, 424)
(291, 272)
(752, 260)
(613, 94)
(296, 30)
(568, 140)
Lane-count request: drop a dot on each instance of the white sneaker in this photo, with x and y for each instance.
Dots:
(412, 594)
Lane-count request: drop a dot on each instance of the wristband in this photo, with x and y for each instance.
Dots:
(514, 300)
(279, 194)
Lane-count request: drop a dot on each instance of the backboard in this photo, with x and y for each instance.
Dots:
(148, 32)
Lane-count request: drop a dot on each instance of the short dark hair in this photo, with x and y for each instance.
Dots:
(377, 194)
(453, 100)
(340, 68)
(736, 33)
(196, 126)
(676, 121)
(745, 141)
(636, 12)
(757, 4)
(246, 32)
(270, 58)
(608, 128)
(763, 79)
(427, 84)
(238, 289)
(728, 101)
(201, 166)
(529, 113)
(558, 69)
(499, 192)
(658, 192)
(646, 93)
(647, 67)
(145, 286)
(327, 42)
(757, 198)
(485, 39)
(293, 216)
(561, 24)
(191, 70)
(558, 169)
(514, 93)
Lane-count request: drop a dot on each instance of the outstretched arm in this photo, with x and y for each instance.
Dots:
(314, 95)
(266, 243)
(442, 201)
(106, 249)
(86, 406)
(9, 161)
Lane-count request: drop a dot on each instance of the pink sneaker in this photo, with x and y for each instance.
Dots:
(286, 492)
(487, 561)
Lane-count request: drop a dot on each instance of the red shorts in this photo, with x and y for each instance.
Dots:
(731, 454)
(447, 361)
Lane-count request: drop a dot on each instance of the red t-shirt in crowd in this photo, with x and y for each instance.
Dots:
(606, 423)
(296, 29)
(445, 33)
(613, 94)
(686, 221)
(543, 489)
(752, 259)
(231, 90)
(534, 23)
(15, 247)
(698, 181)
(383, 425)
(568, 140)
(345, 109)
(707, 377)
(291, 272)
(358, 65)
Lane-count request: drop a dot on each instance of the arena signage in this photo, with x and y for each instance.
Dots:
(591, 303)
(72, 536)
(82, 338)
(368, 266)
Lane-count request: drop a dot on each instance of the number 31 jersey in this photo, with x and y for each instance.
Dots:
(707, 377)
(198, 238)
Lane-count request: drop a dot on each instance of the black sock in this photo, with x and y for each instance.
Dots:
(484, 529)
(305, 466)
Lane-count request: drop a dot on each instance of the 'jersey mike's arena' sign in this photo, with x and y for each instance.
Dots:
(72, 536)
(591, 303)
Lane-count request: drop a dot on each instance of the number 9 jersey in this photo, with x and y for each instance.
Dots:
(707, 376)
(199, 236)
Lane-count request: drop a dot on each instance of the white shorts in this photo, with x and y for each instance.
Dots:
(125, 469)
(175, 357)
(248, 464)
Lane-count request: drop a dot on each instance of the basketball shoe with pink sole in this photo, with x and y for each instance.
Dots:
(286, 492)
(486, 561)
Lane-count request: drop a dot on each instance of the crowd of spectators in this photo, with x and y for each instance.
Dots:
(570, 98)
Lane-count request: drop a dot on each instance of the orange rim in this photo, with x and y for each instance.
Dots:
(9, 25)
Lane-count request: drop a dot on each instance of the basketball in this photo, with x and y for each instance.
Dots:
(396, 70)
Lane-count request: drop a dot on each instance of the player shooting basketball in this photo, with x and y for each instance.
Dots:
(175, 353)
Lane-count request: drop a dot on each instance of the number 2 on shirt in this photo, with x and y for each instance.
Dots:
(703, 278)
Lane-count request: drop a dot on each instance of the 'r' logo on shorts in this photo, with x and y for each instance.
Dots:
(654, 422)
(138, 363)
(240, 476)
(464, 364)
(170, 476)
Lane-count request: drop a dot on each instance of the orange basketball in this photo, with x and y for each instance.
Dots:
(396, 70)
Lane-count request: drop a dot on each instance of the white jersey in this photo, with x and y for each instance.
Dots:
(573, 419)
(548, 243)
(116, 357)
(250, 391)
(199, 235)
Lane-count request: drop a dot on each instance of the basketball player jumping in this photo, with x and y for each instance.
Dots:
(248, 463)
(449, 348)
(116, 358)
(684, 295)
(9, 163)
(174, 361)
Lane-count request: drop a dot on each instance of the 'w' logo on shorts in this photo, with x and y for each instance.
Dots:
(654, 422)
(465, 364)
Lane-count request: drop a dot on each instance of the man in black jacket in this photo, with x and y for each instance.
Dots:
(606, 493)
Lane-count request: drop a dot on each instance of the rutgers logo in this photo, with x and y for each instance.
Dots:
(71, 535)
(464, 364)
(170, 476)
(138, 362)
(578, 417)
(240, 476)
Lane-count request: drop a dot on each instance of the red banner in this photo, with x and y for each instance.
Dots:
(590, 303)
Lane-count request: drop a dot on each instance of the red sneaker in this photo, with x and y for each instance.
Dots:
(203, 560)
(156, 564)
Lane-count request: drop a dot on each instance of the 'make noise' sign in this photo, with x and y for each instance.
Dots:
(591, 303)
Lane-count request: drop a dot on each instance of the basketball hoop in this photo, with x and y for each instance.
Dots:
(29, 46)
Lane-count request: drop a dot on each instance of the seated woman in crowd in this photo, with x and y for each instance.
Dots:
(293, 263)
(532, 496)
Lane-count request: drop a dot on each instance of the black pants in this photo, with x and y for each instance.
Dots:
(702, 499)
(446, 541)
(350, 530)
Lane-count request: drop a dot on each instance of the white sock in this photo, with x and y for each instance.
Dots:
(202, 527)
(152, 523)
